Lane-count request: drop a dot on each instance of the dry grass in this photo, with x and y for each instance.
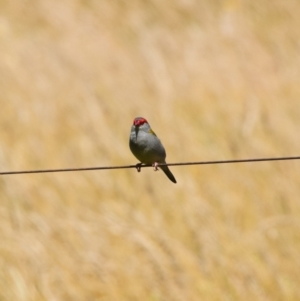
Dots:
(216, 79)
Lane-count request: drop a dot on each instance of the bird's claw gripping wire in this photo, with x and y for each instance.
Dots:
(155, 164)
(138, 167)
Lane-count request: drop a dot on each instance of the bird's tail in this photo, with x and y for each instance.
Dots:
(168, 173)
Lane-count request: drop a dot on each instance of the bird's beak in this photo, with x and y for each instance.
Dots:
(136, 128)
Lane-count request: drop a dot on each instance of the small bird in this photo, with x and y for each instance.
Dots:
(146, 146)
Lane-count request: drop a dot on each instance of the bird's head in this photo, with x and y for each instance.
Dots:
(140, 123)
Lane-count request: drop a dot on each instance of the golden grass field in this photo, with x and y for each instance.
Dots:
(216, 80)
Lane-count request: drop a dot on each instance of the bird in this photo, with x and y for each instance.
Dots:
(146, 146)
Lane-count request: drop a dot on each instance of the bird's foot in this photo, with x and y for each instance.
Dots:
(138, 167)
(155, 164)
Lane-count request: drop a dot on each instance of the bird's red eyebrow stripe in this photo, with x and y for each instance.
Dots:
(139, 121)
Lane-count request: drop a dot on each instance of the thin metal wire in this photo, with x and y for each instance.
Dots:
(148, 165)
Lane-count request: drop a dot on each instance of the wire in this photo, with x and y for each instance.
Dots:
(148, 165)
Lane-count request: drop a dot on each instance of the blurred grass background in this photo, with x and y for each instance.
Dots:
(216, 80)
